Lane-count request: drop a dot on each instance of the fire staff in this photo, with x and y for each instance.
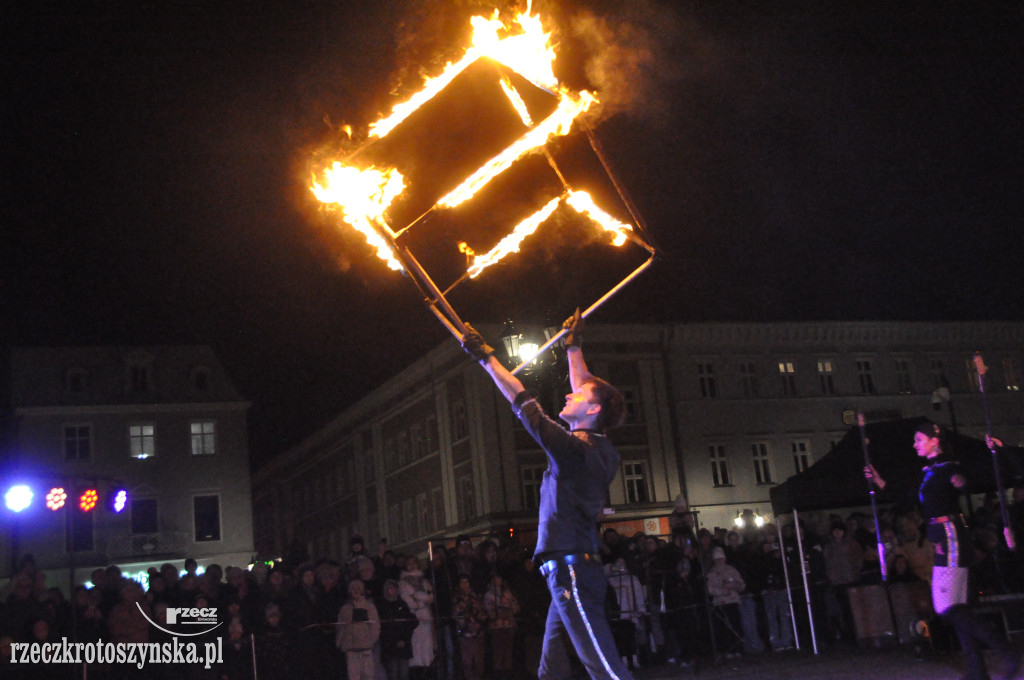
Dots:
(939, 495)
(581, 464)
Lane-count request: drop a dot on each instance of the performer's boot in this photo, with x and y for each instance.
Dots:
(984, 631)
(964, 625)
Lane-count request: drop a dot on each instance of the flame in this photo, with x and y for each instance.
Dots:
(510, 244)
(558, 123)
(517, 102)
(580, 201)
(584, 204)
(363, 196)
(528, 53)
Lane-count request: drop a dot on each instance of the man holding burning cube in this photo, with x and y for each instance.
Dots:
(581, 464)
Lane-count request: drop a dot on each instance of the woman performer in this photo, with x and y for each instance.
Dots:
(939, 495)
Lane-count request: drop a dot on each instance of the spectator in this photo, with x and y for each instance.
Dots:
(775, 597)
(629, 594)
(470, 617)
(418, 593)
(725, 584)
(397, 624)
(915, 545)
(843, 559)
(274, 649)
(358, 632)
(502, 607)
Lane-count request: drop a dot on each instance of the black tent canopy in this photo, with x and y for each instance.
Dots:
(837, 479)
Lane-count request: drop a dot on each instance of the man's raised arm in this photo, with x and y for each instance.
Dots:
(474, 345)
(578, 372)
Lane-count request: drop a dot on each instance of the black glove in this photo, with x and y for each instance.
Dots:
(574, 324)
(474, 345)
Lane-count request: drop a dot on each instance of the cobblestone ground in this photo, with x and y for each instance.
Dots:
(857, 664)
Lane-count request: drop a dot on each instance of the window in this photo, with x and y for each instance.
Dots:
(395, 523)
(403, 448)
(200, 379)
(77, 442)
(409, 519)
(203, 439)
(532, 476)
(748, 374)
(903, 383)
(828, 386)
(719, 466)
(143, 441)
(417, 445)
(138, 377)
(631, 402)
(460, 423)
(635, 479)
(787, 378)
(938, 371)
(1011, 374)
(801, 455)
(390, 460)
(424, 516)
(972, 373)
(75, 381)
(206, 518)
(437, 505)
(762, 462)
(143, 516)
(430, 425)
(706, 377)
(864, 374)
(467, 498)
(79, 536)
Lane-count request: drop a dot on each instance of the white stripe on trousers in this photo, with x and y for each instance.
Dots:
(586, 622)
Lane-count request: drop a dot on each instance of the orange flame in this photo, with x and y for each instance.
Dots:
(584, 204)
(528, 54)
(363, 196)
(558, 123)
(510, 244)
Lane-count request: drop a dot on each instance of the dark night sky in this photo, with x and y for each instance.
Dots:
(792, 160)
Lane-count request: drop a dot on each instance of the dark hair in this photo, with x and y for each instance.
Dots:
(613, 406)
(934, 430)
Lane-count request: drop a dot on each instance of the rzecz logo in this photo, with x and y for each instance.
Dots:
(188, 616)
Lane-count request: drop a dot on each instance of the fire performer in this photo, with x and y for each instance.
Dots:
(581, 465)
(939, 495)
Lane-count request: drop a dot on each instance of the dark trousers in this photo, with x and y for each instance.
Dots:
(577, 611)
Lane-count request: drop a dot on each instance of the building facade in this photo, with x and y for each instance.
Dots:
(717, 412)
(164, 422)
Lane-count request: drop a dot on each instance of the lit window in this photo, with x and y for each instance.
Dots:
(203, 439)
(719, 465)
(762, 462)
(787, 378)
(801, 455)
(143, 441)
(206, 516)
(866, 377)
(635, 479)
(532, 476)
(828, 386)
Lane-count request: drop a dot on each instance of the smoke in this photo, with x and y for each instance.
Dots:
(634, 55)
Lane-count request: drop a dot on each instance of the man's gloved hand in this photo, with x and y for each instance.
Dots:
(474, 345)
(574, 324)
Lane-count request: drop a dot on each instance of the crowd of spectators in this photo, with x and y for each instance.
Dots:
(477, 611)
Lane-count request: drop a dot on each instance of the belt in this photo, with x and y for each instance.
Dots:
(551, 565)
(945, 519)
